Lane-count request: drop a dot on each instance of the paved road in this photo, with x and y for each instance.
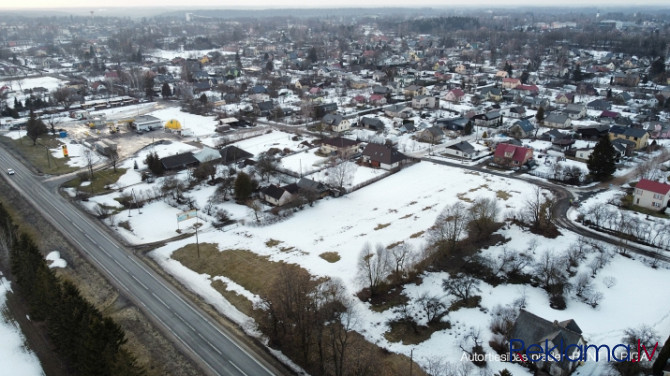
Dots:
(209, 344)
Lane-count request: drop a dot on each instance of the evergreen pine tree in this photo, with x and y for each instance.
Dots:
(243, 187)
(601, 162)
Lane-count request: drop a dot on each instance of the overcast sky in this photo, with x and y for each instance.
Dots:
(101, 4)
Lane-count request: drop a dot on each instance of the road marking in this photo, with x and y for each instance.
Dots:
(236, 367)
(140, 282)
(160, 300)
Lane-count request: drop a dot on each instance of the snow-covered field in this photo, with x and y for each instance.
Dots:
(17, 359)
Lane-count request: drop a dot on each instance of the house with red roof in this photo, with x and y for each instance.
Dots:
(512, 156)
(651, 194)
(510, 83)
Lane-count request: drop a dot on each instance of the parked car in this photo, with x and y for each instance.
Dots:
(10, 171)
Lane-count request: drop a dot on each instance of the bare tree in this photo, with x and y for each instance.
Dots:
(401, 260)
(582, 284)
(482, 215)
(432, 306)
(88, 157)
(461, 285)
(341, 172)
(373, 266)
(450, 225)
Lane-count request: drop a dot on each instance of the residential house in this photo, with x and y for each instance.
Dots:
(377, 99)
(575, 111)
(651, 194)
(207, 155)
(461, 149)
(423, 101)
(325, 108)
(639, 136)
(491, 119)
(593, 131)
(308, 185)
(534, 331)
(336, 122)
(259, 93)
(510, 83)
(275, 195)
(512, 156)
(565, 98)
(557, 120)
(454, 95)
(492, 93)
(264, 109)
(382, 156)
(398, 110)
(233, 154)
(659, 130)
(372, 123)
(179, 162)
(517, 112)
(627, 79)
(414, 90)
(338, 146)
(453, 124)
(433, 135)
(522, 129)
(599, 104)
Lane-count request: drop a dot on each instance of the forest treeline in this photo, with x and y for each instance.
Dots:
(88, 342)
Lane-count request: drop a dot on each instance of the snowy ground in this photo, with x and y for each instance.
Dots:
(17, 359)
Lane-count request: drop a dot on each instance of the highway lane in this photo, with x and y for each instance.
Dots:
(203, 339)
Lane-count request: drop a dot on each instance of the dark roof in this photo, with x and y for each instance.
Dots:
(333, 119)
(532, 329)
(463, 146)
(308, 184)
(273, 191)
(179, 161)
(232, 154)
(627, 131)
(291, 188)
(525, 125)
(383, 154)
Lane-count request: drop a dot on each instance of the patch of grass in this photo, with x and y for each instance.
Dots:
(331, 257)
(473, 302)
(37, 155)
(101, 180)
(393, 245)
(503, 195)
(381, 226)
(286, 249)
(461, 196)
(126, 225)
(412, 335)
(405, 216)
(239, 301)
(416, 234)
(411, 203)
(478, 188)
(253, 272)
(272, 242)
(427, 207)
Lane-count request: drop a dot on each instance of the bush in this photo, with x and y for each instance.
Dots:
(557, 302)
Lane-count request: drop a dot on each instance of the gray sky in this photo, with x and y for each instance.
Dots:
(100, 4)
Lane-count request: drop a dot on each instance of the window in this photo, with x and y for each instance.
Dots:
(658, 196)
(656, 204)
(638, 192)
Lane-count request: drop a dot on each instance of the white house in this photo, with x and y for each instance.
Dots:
(651, 194)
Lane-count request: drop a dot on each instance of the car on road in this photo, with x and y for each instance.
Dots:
(10, 171)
